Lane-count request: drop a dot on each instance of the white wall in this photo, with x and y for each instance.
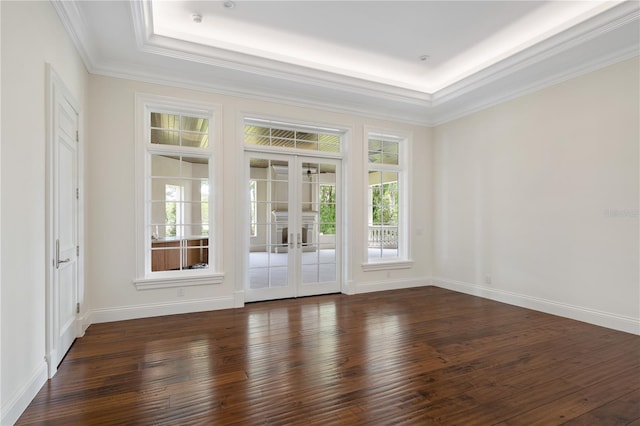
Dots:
(541, 193)
(111, 216)
(31, 36)
(1, 411)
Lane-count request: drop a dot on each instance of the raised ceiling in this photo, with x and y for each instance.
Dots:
(363, 57)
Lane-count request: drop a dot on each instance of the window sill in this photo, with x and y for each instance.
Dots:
(387, 265)
(153, 283)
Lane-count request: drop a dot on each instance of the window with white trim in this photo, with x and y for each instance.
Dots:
(175, 187)
(387, 209)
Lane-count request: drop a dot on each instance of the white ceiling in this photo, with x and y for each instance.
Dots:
(361, 57)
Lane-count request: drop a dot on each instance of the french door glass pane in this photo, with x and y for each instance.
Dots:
(318, 204)
(268, 243)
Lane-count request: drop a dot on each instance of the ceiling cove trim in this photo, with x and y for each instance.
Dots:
(600, 24)
(166, 46)
(142, 13)
(616, 17)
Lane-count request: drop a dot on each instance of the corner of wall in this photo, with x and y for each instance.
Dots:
(12, 410)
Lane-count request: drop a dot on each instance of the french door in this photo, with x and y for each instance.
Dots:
(294, 226)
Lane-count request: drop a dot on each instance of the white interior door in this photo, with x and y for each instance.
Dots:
(65, 229)
(294, 233)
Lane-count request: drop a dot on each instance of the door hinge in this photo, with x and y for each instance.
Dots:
(77, 250)
(77, 193)
(78, 308)
(77, 137)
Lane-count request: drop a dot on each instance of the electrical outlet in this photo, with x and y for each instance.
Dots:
(487, 279)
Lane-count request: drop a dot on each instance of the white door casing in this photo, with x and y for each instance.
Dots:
(63, 226)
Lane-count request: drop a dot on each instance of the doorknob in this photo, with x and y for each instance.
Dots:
(291, 242)
(299, 240)
(58, 261)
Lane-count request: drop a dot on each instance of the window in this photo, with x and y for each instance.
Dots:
(327, 209)
(387, 208)
(174, 208)
(204, 206)
(175, 183)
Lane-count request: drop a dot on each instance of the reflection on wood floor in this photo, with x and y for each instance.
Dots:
(415, 356)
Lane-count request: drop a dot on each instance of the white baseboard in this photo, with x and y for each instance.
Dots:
(238, 299)
(368, 287)
(348, 287)
(20, 400)
(122, 313)
(591, 316)
(82, 323)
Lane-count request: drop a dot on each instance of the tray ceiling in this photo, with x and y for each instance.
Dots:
(425, 62)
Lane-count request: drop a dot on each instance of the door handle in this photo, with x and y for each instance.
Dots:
(299, 240)
(291, 242)
(58, 261)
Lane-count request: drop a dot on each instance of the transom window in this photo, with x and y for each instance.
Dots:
(266, 133)
(179, 129)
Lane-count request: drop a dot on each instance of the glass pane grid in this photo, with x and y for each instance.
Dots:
(285, 138)
(383, 151)
(179, 130)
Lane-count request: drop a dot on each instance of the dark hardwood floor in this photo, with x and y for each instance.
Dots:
(416, 356)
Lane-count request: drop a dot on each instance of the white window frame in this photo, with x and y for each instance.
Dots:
(403, 259)
(145, 279)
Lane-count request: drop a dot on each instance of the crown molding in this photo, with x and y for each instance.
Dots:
(74, 24)
(314, 88)
(611, 19)
(599, 63)
(415, 116)
(148, 42)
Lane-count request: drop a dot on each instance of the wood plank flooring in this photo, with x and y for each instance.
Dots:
(416, 356)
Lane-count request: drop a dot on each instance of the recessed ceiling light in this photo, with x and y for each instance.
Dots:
(423, 57)
(229, 4)
(197, 18)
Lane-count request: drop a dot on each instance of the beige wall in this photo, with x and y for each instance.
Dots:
(541, 193)
(31, 36)
(111, 216)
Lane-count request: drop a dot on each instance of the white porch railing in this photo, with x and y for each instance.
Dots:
(383, 236)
